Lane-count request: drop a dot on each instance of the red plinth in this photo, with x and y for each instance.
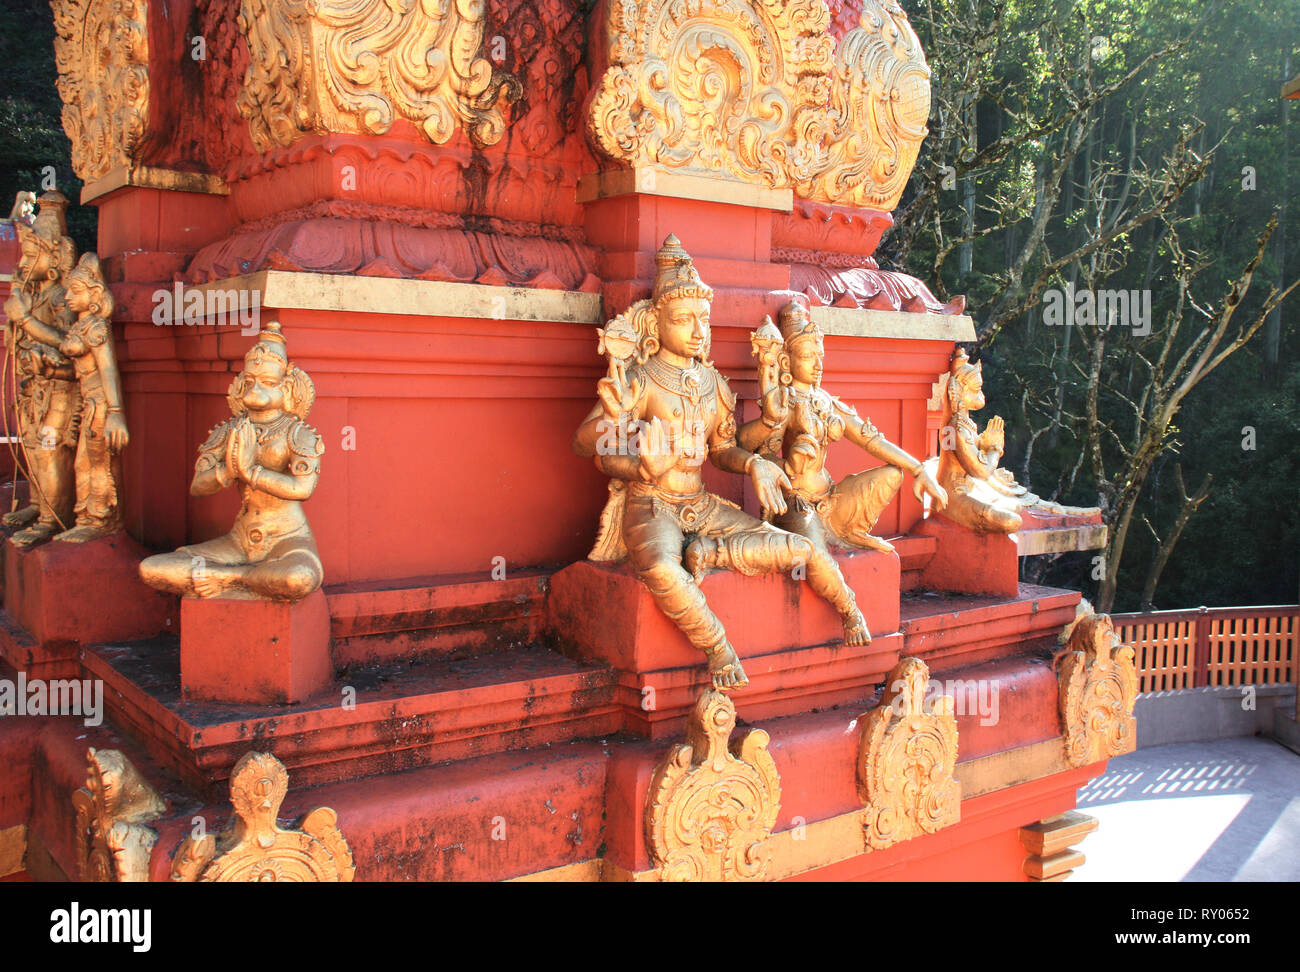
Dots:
(606, 613)
(262, 652)
(967, 562)
(84, 593)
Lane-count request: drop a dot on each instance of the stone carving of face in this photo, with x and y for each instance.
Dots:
(77, 296)
(37, 261)
(684, 326)
(263, 382)
(807, 359)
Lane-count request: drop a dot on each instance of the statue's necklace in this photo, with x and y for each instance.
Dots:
(686, 382)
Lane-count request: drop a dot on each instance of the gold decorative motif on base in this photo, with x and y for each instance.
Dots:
(907, 760)
(712, 806)
(1098, 686)
(113, 843)
(760, 93)
(355, 66)
(254, 847)
(101, 51)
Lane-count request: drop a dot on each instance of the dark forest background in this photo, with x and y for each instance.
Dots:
(1106, 144)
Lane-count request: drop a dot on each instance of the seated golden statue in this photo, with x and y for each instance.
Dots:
(48, 393)
(981, 496)
(663, 409)
(273, 455)
(800, 421)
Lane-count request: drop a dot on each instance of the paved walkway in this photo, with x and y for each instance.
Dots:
(1227, 810)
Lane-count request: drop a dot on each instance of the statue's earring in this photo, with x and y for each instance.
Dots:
(783, 363)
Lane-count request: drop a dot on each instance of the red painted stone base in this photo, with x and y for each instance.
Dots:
(83, 593)
(261, 652)
(967, 562)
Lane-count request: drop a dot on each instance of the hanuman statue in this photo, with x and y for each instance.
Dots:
(48, 392)
(800, 421)
(663, 409)
(270, 452)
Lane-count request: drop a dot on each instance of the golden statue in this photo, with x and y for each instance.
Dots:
(663, 410)
(270, 451)
(799, 420)
(981, 496)
(47, 391)
(254, 847)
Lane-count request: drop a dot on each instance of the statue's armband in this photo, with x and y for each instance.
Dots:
(306, 446)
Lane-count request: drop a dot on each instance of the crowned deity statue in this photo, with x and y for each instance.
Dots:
(797, 424)
(981, 496)
(270, 452)
(47, 390)
(663, 410)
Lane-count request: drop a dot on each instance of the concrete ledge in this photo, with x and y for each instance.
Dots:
(861, 322)
(1031, 543)
(650, 181)
(151, 177)
(1285, 729)
(1206, 714)
(299, 290)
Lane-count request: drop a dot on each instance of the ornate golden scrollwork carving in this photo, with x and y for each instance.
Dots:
(759, 92)
(101, 51)
(907, 759)
(712, 806)
(254, 847)
(113, 843)
(880, 103)
(717, 87)
(1098, 686)
(355, 66)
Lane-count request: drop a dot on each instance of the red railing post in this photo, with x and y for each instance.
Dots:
(1201, 649)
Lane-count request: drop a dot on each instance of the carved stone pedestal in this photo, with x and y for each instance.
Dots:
(67, 594)
(261, 652)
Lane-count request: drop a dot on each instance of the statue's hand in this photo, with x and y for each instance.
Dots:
(925, 483)
(656, 451)
(115, 430)
(18, 305)
(995, 436)
(241, 450)
(618, 395)
(771, 485)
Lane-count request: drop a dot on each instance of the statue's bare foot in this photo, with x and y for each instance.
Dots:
(82, 534)
(875, 543)
(725, 667)
(699, 557)
(211, 581)
(20, 518)
(855, 629)
(34, 534)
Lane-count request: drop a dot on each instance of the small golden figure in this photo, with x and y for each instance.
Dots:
(48, 393)
(981, 496)
(800, 420)
(663, 410)
(273, 455)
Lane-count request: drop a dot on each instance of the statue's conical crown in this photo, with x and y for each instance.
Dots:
(675, 274)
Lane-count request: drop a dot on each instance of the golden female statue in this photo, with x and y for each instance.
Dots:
(663, 409)
(799, 420)
(273, 455)
(48, 394)
(981, 496)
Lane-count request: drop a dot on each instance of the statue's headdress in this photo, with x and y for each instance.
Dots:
(49, 228)
(961, 375)
(797, 322)
(675, 275)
